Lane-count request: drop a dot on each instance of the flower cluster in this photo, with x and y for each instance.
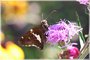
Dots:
(62, 31)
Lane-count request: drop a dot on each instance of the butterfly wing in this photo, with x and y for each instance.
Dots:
(34, 37)
(41, 33)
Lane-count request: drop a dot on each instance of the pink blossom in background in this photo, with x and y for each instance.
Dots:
(85, 2)
(71, 53)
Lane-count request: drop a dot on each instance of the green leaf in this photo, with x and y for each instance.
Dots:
(79, 24)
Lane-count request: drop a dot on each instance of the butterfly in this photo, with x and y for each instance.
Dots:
(35, 37)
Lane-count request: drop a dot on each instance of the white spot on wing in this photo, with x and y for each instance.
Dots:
(22, 37)
(35, 46)
(31, 30)
(38, 37)
(29, 45)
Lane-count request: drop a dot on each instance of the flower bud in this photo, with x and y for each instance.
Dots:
(70, 53)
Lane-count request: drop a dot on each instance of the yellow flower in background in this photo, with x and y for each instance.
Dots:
(4, 55)
(11, 52)
(14, 11)
(14, 7)
(2, 36)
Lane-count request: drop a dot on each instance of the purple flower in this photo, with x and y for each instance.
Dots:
(54, 36)
(85, 2)
(60, 26)
(61, 31)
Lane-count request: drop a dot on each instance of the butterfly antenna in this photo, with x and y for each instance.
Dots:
(50, 14)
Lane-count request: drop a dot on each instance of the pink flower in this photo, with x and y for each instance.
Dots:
(85, 2)
(74, 52)
(70, 53)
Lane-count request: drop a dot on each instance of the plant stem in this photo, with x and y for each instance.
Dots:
(85, 50)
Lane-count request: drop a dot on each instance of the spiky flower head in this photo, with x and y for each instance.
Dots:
(62, 31)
